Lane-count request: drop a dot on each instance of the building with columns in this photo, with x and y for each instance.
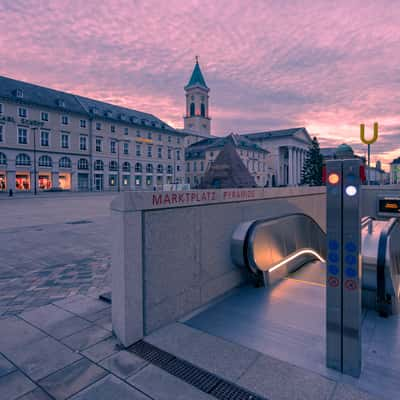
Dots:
(286, 149)
(287, 152)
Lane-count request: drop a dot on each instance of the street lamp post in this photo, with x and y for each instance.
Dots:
(34, 162)
(118, 172)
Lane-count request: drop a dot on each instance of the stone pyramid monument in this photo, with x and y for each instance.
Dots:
(228, 170)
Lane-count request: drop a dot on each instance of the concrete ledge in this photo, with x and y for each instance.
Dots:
(139, 201)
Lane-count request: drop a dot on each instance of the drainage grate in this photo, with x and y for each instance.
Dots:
(151, 354)
(203, 380)
(78, 222)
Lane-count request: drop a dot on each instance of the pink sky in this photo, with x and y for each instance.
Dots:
(270, 64)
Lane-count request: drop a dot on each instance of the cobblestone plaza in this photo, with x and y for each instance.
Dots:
(51, 249)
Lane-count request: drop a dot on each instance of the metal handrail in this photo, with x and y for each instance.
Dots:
(265, 245)
(382, 300)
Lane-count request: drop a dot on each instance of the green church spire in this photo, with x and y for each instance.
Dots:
(197, 78)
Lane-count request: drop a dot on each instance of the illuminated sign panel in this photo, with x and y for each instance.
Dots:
(389, 206)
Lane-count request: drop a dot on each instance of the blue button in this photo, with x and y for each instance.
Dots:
(350, 247)
(351, 272)
(333, 269)
(333, 245)
(333, 257)
(350, 259)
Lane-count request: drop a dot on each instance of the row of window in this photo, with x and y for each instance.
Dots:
(65, 120)
(83, 143)
(195, 166)
(65, 162)
(251, 155)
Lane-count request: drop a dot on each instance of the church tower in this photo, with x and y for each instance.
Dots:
(197, 118)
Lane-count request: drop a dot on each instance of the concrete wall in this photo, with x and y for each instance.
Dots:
(171, 250)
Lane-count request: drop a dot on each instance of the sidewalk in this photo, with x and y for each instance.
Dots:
(66, 350)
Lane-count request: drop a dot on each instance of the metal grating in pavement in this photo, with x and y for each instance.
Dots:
(203, 380)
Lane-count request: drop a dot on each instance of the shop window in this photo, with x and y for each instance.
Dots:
(45, 161)
(138, 180)
(3, 183)
(112, 180)
(22, 182)
(126, 180)
(44, 181)
(65, 162)
(64, 181)
(149, 180)
(83, 164)
(22, 159)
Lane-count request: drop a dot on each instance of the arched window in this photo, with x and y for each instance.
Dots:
(169, 169)
(192, 109)
(126, 167)
(65, 162)
(160, 168)
(22, 159)
(83, 164)
(113, 166)
(45, 161)
(149, 168)
(203, 110)
(138, 167)
(98, 165)
(3, 159)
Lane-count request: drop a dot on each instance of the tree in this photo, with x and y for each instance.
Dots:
(312, 168)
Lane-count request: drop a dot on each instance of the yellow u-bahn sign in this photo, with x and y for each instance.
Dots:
(374, 137)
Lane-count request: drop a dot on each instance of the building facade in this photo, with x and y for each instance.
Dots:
(200, 156)
(287, 149)
(74, 143)
(395, 171)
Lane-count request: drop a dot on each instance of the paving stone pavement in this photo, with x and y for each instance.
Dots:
(42, 264)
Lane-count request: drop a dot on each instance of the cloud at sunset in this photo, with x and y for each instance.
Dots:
(269, 64)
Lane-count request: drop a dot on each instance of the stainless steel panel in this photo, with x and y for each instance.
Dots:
(262, 245)
(334, 268)
(352, 273)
